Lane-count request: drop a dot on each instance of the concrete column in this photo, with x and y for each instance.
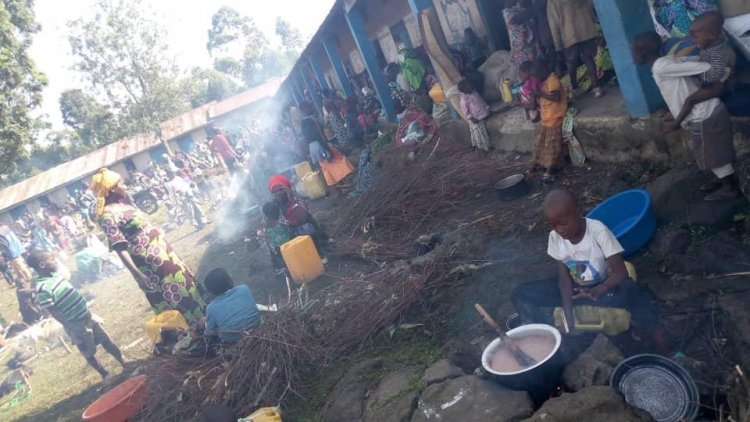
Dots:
(357, 27)
(494, 24)
(621, 21)
(319, 75)
(329, 44)
(311, 88)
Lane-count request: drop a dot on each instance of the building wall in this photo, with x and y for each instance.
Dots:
(412, 25)
(6, 219)
(141, 160)
(120, 169)
(457, 15)
(199, 135)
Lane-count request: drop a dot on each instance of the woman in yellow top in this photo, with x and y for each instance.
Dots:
(164, 278)
(553, 104)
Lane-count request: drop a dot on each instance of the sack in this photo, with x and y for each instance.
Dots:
(575, 150)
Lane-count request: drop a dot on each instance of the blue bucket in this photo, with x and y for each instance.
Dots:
(629, 216)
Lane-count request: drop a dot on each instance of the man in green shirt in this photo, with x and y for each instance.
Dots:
(67, 306)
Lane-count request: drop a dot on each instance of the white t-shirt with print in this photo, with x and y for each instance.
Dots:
(587, 260)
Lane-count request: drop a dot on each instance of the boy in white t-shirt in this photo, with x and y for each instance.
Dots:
(591, 270)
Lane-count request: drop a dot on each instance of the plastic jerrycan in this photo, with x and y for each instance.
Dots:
(314, 186)
(166, 319)
(303, 169)
(302, 259)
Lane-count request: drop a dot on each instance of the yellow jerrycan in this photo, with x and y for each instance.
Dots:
(265, 414)
(302, 259)
(303, 169)
(166, 319)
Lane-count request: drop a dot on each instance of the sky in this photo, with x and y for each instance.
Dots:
(186, 23)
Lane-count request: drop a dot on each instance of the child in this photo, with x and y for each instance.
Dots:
(591, 270)
(68, 307)
(233, 311)
(275, 233)
(553, 104)
(696, 108)
(475, 110)
(531, 84)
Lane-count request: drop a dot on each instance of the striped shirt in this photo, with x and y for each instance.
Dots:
(61, 299)
(717, 55)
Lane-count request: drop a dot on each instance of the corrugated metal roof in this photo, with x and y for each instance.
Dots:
(73, 170)
(65, 173)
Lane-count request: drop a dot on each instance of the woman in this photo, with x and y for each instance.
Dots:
(473, 49)
(312, 133)
(335, 122)
(523, 46)
(165, 280)
(294, 212)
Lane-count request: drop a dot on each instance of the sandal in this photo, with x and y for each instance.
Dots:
(722, 195)
(711, 186)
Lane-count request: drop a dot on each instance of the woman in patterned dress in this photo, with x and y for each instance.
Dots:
(165, 280)
(523, 45)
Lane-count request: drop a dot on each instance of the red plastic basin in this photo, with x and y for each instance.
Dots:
(120, 403)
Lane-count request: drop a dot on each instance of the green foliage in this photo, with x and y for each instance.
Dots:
(206, 85)
(121, 54)
(92, 121)
(21, 85)
(241, 50)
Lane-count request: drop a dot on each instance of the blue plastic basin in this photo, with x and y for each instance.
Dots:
(628, 214)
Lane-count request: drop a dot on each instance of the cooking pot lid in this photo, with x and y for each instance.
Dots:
(658, 386)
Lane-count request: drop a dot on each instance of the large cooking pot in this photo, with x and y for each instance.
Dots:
(539, 380)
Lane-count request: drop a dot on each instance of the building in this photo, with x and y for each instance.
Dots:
(181, 132)
(359, 37)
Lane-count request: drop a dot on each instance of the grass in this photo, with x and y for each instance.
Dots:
(63, 384)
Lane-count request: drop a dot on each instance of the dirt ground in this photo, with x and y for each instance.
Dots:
(510, 252)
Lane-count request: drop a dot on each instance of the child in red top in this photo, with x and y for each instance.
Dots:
(531, 84)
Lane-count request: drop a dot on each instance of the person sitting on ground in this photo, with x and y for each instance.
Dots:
(591, 271)
(476, 111)
(294, 212)
(553, 104)
(696, 108)
(233, 310)
(531, 84)
(275, 233)
(472, 49)
(69, 308)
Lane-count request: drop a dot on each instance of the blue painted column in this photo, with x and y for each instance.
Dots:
(298, 87)
(311, 88)
(329, 45)
(367, 50)
(319, 75)
(621, 21)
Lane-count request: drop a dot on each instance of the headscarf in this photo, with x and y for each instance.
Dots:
(278, 180)
(102, 183)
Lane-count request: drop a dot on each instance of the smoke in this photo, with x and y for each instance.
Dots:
(265, 153)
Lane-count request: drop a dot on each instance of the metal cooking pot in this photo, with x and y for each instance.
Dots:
(512, 187)
(538, 380)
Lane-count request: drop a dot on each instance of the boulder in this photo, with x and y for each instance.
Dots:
(719, 254)
(472, 399)
(440, 371)
(670, 241)
(592, 404)
(463, 354)
(346, 402)
(395, 397)
(676, 196)
(594, 366)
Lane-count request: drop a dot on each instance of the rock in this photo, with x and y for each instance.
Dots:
(594, 366)
(346, 401)
(670, 241)
(463, 354)
(472, 399)
(441, 371)
(592, 404)
(719, 254)
(394, 398)
(742, 168)
(676, 196)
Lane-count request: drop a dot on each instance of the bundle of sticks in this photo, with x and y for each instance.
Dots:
(269, 364)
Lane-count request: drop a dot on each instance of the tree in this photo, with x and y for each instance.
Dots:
(205, 85)
(21, 84)
(122, 55)
(241, 50)
(94, 123)
(291, 38)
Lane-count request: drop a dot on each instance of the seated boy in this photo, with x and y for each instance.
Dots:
(696, 108)
(591, 271)
(68, 307)
(233, 311)
(275, 233)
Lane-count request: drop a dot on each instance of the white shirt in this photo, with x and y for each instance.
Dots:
(675, 81)
(586, 260)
